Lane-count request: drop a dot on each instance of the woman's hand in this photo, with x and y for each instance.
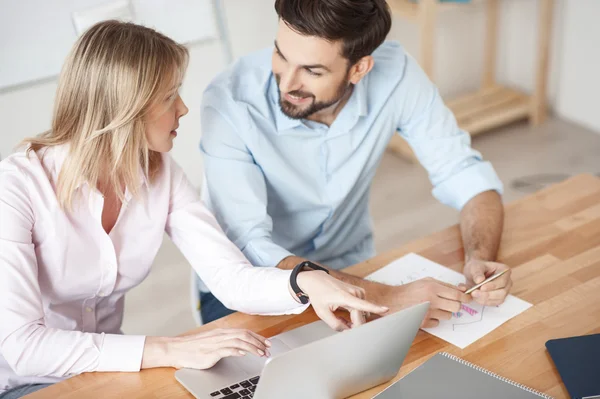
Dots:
(328, 294)
(202, 350)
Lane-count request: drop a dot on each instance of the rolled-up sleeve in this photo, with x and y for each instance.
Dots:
(466, 183)
(235, 189)
(457, 172)
(29, 346)
(218, 261)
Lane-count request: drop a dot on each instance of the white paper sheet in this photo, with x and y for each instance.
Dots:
(472, 322)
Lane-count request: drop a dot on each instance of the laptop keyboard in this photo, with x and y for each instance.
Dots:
(242, 390)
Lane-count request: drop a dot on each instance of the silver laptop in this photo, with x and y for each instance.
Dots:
(313, 362)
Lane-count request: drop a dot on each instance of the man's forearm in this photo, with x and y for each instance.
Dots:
(375, 291)
(481, 224)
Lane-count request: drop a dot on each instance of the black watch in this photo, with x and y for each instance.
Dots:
(299, 268)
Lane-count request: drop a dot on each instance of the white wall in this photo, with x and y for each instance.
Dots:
(252, 24)
(580, 73)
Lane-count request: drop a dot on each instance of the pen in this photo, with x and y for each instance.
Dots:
(495, 276)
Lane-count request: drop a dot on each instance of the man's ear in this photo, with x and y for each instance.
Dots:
(360, 69)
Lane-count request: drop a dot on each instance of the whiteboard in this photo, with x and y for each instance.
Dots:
(37, 35)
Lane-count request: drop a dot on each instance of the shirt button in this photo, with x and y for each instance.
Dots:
(88, 309)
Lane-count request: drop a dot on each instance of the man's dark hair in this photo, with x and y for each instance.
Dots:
(361, 25)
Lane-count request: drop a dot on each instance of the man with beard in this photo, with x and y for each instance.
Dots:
(293, 135)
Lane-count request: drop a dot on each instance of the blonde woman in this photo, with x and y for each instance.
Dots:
(83, 208)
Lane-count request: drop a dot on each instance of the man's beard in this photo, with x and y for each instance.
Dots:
(295, 112)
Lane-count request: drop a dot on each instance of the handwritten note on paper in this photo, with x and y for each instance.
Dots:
(472, 322)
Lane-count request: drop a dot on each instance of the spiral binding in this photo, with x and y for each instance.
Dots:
(523, 387)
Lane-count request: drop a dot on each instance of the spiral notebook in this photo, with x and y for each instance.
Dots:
(448, 376)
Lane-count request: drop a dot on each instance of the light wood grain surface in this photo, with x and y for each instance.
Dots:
(552, 241)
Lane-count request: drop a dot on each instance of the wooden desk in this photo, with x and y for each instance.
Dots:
(551, 239)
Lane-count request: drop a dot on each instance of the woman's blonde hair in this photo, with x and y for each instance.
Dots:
(115, 74)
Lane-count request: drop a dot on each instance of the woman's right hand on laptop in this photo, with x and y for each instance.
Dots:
(202, 350)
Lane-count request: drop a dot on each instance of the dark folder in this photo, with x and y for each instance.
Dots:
(578, 362)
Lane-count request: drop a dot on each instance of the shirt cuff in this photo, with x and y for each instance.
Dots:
(461, 187)
(286, 303)
(264, 252)
(121, 353)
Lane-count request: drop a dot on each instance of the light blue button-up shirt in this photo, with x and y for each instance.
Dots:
(280, 186)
